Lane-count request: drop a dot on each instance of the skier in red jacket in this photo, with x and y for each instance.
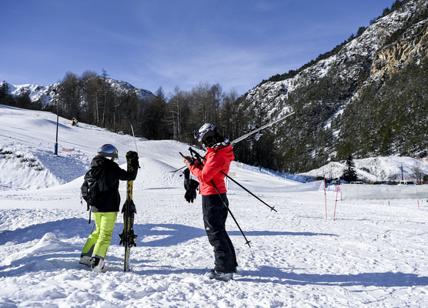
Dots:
(212, 187)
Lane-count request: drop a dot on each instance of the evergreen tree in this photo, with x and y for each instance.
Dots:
(154, 118)
(4, 91)
(349, 174)
(23, 101)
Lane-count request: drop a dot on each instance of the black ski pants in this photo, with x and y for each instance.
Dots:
(215, 214)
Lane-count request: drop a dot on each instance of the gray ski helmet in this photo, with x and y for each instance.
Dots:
(206, 130)
(108, 150)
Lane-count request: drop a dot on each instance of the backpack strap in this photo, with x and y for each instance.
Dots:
(88, 208)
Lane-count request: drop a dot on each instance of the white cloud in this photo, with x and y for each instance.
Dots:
(230, 66)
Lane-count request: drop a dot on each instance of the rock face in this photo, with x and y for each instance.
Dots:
(409, 49)
(366, 97)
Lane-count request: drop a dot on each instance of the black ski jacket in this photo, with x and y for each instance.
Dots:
(109, 200)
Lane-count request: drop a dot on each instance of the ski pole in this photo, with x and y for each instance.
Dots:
(247, 242)
(200, 158)
(176, 170)
(248, 191)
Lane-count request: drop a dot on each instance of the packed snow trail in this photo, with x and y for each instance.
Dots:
(373, 255)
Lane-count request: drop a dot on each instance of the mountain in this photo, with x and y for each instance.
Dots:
(45, 94)
(124, 87)
(366, 97)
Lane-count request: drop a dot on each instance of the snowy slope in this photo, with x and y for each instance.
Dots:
(373, 255)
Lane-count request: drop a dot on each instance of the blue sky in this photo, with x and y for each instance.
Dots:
(169, 43)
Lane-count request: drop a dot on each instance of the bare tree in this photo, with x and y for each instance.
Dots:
(418, 174)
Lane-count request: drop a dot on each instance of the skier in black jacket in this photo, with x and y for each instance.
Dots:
(106, 201)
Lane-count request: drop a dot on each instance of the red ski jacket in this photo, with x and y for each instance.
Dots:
(217, 160)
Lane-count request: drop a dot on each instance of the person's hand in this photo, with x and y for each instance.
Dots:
(131, 155)
(132, 159)
(190, 195)
(188, 161)
(190, 186)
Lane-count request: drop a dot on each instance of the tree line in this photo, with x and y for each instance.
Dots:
(96, 99)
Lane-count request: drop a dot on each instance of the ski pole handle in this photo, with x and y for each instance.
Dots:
(186, 158)
(197, 155)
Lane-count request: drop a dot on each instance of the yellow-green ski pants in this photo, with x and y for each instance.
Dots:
(98, 241)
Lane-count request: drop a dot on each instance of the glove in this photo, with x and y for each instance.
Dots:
(186, 173)
(190, 185)
(132, 159)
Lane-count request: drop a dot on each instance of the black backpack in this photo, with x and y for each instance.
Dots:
(93, 185)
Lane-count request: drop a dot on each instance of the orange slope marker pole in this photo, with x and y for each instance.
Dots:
(325, 197)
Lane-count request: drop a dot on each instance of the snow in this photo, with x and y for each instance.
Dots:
(384, 192)
(122, 87)
(375, 168)
(45, 94)
(374, 254)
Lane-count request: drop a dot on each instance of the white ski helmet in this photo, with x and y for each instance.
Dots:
(108, 150)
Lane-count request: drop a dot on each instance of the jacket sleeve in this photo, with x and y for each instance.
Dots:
(212, 166)
(124, 175)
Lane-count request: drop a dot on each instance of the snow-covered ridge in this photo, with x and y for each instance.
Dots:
(347, 62)
(122, 87)
(37, 93)
(45, 94)
(376, 169)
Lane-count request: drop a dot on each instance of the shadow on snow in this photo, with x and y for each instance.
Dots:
(267, 274)
(173, 234)
(170, 234)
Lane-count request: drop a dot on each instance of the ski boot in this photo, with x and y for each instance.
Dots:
(85, 260)
(98, 264)
(213, 274)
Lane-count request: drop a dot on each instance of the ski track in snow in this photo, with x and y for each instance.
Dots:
(373, 255)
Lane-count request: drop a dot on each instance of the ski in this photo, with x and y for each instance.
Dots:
(245, 136)
(127, 237)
